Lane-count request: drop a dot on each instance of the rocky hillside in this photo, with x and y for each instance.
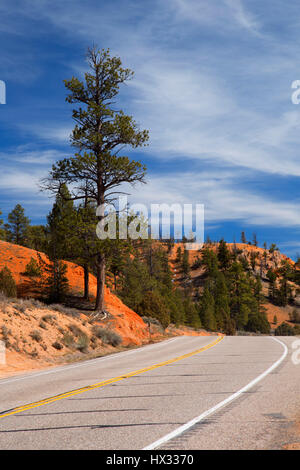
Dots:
(259, 260)
(39, 335)
(124, 320)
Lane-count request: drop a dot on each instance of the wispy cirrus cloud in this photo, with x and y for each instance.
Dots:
(243, 17)
(220, 195)
(26, 155)
(212, 84)
(193, 103)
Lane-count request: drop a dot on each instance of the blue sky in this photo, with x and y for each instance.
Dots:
(212, 84)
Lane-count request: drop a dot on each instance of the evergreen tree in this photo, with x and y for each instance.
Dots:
(178, 258)
(235, 251)
(185, 265)
(295, 316)
(223, 255)
(33, 268)
(176, 305)
(257, 289)
(36, 238)
(265, 256)
(197, 263)
(117, 261)
(153, 305)
(273, 248)
(100, 132)
(7, 283)
(54, 280)
(192, 317)
(221, 301)
(84, 242)
(284, 330)
(207, 311)
(61, 221)
(242, 299)
(258, 323)
(283, 293)
(2, 231)
(255, 242)
(253, 257)
(210, 262)
(272, 276)
(58, 246)
(17, 226)
(243, 238)
(244, 262)
(137, 281)
(161, 269)
(170, 244)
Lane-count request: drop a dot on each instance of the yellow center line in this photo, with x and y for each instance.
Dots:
(78, 391)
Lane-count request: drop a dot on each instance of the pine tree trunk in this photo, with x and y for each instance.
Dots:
(86, 282)
(100, 263)
(100, 283)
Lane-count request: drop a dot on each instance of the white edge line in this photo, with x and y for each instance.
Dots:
(212, 410)
(87, 362)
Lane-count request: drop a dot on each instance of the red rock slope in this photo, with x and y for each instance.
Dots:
(125, 321)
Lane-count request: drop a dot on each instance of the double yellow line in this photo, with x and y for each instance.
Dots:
(78, 391)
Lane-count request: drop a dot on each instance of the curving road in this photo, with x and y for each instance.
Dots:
(184, 393)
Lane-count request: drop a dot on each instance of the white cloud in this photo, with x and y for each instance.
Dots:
(55, 133)
(14, 180)
(192, 113)
(25, 154)
(243, 17)
(186, 96)
(222, 198)
(189, 92)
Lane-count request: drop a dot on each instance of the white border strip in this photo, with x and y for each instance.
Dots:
(212, 410)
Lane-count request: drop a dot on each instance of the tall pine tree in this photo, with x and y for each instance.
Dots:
(100, 133)
(17, 226)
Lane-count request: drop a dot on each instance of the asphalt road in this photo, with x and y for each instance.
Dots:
(202, 393)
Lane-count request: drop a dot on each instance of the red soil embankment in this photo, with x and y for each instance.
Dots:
(126, 322)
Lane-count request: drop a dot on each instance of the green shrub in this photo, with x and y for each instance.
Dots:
(22, 305)
(7, 283)
(43, 325)
(57, 345)
(107, 336)
(285, 330)
(36, 335)
(295, 316)
(258, 323)
(5, 332)
(154, 305)
(297, 330)
(49, 318)
(68, 340)
(33, 268)
(55, 282)
(75, 330)
(153, 321)
(38, 304)
(82, 343)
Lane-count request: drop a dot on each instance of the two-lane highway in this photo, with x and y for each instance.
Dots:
(184, 393)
